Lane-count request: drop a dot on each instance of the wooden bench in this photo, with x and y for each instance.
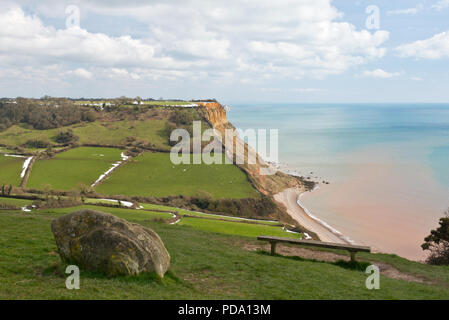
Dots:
(353, 249)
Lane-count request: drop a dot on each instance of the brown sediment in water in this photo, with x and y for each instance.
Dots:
(289, 198)
(382, 204)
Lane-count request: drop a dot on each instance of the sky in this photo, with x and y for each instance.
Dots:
(237, 51)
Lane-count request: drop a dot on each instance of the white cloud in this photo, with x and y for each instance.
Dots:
(441, 5)
(436, 47)
(25, 39)
(416, 79)
(379, 73)
(82, 73)
(245, 40)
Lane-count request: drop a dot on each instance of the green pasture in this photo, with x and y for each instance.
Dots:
(15, 202)
(69, 169)
(129, 214)
(153, 174)
(102, 133)
(10, 169)
(201, 214)
(236, 228)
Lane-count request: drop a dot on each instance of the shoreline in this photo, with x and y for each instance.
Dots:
(291, 199)
(346, 239)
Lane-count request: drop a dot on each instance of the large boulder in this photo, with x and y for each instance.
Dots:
(98, 241)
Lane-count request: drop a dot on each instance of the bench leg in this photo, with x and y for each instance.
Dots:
(273, 248)
(352, 255)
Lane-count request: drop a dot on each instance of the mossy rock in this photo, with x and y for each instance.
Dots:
(101, 242)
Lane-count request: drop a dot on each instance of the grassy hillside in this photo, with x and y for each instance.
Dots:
(236, 228)
(204, 265)
(130, 214)
(68, 169)
(153, 174)
(105, 133)
(10, 169)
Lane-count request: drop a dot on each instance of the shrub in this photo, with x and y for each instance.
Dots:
(39, 144)
(67, 137)
(438, 243)
(169, 128)
(183, 117)
(88, 116)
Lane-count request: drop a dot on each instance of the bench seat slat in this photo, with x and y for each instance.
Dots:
(330, 245)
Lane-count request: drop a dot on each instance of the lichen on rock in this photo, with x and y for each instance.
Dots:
(101, 242)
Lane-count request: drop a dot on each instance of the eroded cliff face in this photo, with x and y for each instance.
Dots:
(215, 114)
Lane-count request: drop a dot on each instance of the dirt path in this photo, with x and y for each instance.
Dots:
(385, 269)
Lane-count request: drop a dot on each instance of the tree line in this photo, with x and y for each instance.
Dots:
(42, 116)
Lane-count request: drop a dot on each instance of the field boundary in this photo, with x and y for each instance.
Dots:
(111, 171)
(27, 173)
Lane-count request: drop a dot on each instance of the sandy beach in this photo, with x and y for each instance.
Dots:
(388, 206)
(289, 198)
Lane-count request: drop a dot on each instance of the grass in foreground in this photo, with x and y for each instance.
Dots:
(204, 265)
(153, 174)
(10, 169)
(68, 169)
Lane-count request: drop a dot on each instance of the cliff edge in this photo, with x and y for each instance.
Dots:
(215, 114)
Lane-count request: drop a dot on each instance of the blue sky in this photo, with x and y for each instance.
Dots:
(235, 51)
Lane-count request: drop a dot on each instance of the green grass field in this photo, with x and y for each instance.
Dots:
(114, 133)
(183, 212)
(204, 265)
(227, 225)
(15, 202)
(166, 103)
(153, 174)
(10, 169)
(68, 169)
(105, 133)
(130, 214)
(231, 226)
(236, 228)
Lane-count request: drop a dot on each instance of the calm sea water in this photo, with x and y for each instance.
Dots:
(386, 160)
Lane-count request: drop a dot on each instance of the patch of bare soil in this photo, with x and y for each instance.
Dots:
(305, 253)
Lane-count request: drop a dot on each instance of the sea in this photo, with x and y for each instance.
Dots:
(383, 169)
